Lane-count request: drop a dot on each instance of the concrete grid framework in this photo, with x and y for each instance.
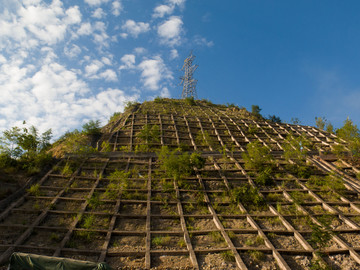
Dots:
(124, 231)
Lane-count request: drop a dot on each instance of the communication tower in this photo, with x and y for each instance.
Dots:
(188, 81)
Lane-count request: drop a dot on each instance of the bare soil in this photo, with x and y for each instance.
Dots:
(126, 263)
(342, 262)
(127, 243)
(215, 261)
(165, 224)
(171, 262)
(130, 224)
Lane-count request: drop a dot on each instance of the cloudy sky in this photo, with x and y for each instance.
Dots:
(65, 62)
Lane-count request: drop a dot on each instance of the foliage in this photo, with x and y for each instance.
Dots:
(329, 182)
(351, 134)
(159, 100)
(204, 139)
(131, 105)
(295, 148)
(329, 128)
(320, 236)
(320, 122)
(105, 147)
(118, 184)
(264, 177)
(91, 128)
(246, 194)
(274, 119)
(255, 111)
(228, 256)
(24, 149)
(177, 164)
(257, 156)
(114, 116)
(34, 190)
(295, 121)
(300, 171)
(190, 101)
(149, 134)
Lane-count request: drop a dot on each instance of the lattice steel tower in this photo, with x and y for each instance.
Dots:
(188, 81)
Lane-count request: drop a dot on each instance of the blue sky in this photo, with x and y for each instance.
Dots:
(63, 63)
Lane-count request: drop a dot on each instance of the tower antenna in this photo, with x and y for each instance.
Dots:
(188, 81)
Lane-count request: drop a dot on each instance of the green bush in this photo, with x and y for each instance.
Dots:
(246, 194)
(92, 128)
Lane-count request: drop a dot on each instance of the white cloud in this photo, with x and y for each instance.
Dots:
(98, 13)
(153, 71)
(170, 31)
(116, 7)
(140, 50)
(85, 29)
(95, 2)
(53, 96)
(36, 23)
(106, 61)
(92, 69)
(165, 93)
(174, 54)
(128, 60)
(162, 10)
(201, 41)
(73, 51)
(109, 75)
(135, 28)
(167, 9)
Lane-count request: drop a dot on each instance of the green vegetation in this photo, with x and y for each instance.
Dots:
(274, 119)
(228, 256)
(161, 240)
(258, 158)
(351, 134)
(256, 255)
(119, 183)
(190, 101)
(177, 164)
(255, 111)
(246, 194)
(34, 190)
(91, 128)
(148, 136)
(24, 149)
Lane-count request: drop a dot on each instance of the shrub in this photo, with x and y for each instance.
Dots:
(246, 194)
(190, 101)
(92, 128)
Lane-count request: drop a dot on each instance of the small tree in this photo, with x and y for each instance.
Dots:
(91, 128)
(320, 122)
(255, 111)
(274, 119)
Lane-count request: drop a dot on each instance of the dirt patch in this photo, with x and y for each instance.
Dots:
(127, 243)
(58, 220)
(20, 218)
(130, 224)
(125, 263)
(353, 239)
(170, 262)
(44, 238)
(270, 223)
(168, 242)
(9, 235)
(200, 224)
(215, 261)
(248, 240)
(68, 205)
(208, 241)
(342, 262)
(298, 262)
(164, 209)
(284, 241)
(259, 261)
(165, 224)
(236, 223)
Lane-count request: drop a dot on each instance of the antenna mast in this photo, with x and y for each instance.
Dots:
(189, 83)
